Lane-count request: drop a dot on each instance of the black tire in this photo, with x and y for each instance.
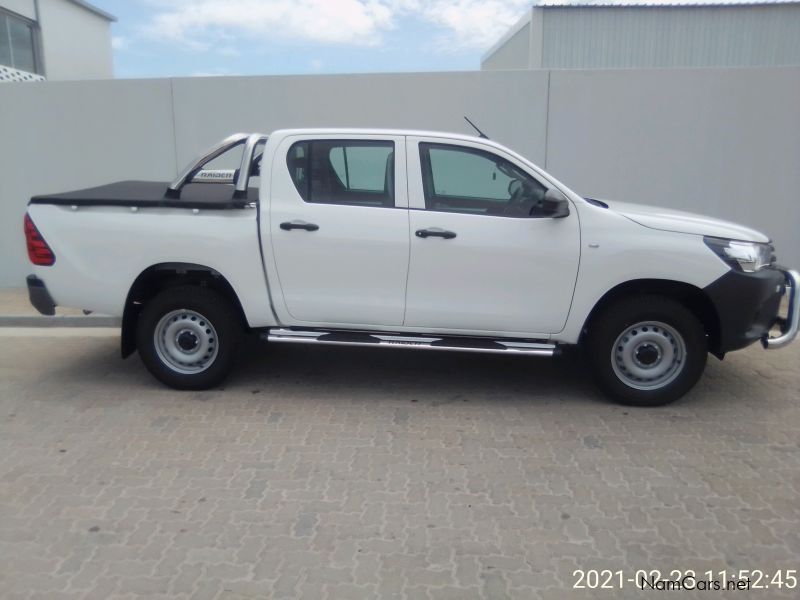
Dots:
(220, 344)
(616, 366)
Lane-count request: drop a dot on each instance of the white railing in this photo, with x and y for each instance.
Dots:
(11, 74)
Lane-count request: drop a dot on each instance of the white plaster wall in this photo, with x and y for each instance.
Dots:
(722, 142)
(26, 8)
(725, 142)
(76, 42)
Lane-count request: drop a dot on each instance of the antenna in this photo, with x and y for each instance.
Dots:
(475, 127)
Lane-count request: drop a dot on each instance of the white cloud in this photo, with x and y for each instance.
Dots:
(202, 23)
(473, 23)
(119, 42)
(205, 24)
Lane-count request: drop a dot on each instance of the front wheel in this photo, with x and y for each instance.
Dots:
(647, 350)
(188, 337)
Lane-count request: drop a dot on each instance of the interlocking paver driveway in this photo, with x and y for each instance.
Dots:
(322, 473)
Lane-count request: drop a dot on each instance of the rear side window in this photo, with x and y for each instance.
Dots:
(354, 172)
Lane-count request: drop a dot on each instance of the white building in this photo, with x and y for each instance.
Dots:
(55, 40)
(613, 34)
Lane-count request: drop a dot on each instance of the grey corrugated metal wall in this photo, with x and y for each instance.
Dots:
(686, 36)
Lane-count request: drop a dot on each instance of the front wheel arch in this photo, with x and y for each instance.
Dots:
(647, 350)
(159, 277)
(690, 296)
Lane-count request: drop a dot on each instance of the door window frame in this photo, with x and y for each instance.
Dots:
(416, 191)
(280, 169)
(429, 181)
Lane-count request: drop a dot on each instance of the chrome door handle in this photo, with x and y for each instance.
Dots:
(435, 232)
(289, 225)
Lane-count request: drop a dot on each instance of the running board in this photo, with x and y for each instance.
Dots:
(413, 342)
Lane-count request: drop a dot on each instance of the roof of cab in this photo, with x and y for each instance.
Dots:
(391, 132)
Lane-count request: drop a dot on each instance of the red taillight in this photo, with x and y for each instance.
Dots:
(38, 250)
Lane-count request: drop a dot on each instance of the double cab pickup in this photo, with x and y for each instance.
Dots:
(404, 239)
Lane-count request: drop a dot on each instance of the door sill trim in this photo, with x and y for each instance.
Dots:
(488, 345)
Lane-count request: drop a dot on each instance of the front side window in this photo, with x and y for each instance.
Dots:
(355, 172)
(17, 44)
(468, 180)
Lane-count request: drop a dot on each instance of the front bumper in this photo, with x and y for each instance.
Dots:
(747, 305)
(40, 297)
(788, 326)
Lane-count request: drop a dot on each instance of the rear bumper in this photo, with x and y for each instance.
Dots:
(747, 305)
(40, 297)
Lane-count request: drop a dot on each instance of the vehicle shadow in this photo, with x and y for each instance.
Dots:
(414, 375)
(302, 371)
(81, 366)
(343, 374)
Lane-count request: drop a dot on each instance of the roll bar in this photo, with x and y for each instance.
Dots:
(194, 173)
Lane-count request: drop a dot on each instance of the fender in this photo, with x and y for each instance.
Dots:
(694, 298)
(164, 275)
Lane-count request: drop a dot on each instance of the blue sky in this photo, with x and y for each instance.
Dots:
(167, 38)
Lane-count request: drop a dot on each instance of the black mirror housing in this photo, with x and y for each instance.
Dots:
(554, 205)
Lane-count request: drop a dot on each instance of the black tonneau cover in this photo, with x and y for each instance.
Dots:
(151, 194)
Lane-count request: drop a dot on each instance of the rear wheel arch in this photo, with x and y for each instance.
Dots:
(159, 277)
(690, 296)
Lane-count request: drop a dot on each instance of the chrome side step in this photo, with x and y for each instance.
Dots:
(413, 342)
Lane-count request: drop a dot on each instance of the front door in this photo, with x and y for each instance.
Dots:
(339, 230)
(480, 262)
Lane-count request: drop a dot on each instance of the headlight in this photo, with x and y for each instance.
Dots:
(742, 256)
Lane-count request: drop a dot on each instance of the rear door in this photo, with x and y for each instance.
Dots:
(339, 229)
(480, 263)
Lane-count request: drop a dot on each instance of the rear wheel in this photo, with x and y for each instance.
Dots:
(188, 337)
(647, 350)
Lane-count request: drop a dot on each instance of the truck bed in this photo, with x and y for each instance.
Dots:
(151, 194)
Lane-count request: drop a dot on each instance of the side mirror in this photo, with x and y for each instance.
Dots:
(554, 205)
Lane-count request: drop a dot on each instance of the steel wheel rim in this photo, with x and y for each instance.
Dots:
(648, 355)
(186, 341)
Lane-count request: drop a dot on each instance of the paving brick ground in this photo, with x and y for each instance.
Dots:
(322, 473)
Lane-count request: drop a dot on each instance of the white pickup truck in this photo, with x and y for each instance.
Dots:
(412, 239)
